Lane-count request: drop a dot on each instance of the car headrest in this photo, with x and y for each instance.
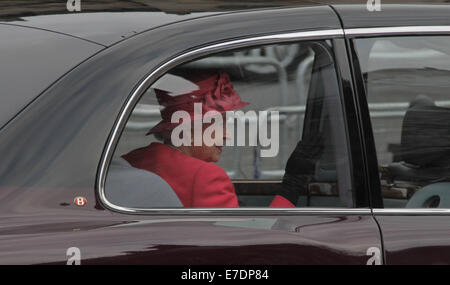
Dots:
(425, 140)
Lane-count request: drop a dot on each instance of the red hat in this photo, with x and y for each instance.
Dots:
(215, 92)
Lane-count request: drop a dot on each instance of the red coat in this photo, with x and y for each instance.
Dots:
(196, 182)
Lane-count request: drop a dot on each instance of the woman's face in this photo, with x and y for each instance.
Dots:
(212, 151)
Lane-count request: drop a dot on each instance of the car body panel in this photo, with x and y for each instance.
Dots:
(24, 52)
(415, 239)
(196, 240)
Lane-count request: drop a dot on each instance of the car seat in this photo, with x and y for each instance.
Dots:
(435, 195)
(127, 186)
(425, 143)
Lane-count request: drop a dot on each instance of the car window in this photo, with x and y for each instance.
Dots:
(254, 127)
(407, 86)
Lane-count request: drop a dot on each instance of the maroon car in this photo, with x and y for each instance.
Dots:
(369, 85)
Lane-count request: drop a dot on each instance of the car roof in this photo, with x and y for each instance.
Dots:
(108, 22)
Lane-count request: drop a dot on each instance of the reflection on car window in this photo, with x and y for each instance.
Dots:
(259, 127)
(407, 85)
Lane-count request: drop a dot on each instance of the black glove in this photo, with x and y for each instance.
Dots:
(304, 157)
(300, 167)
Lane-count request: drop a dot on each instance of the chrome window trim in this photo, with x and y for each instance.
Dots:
(411, 212)
(247, 211)
(406, 30)
(166, 66)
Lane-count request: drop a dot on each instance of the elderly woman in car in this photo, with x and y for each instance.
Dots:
(190, 169)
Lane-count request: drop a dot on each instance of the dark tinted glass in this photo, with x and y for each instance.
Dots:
(303, 147)
(407, 81)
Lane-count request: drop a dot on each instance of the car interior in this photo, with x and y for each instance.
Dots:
(423, 156)
(331, 184)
